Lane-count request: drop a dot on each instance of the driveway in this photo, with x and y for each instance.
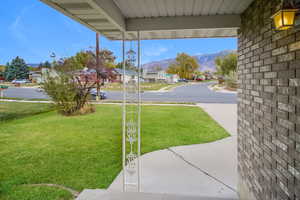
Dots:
(195, 93)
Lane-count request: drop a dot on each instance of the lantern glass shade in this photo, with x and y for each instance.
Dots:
(284, 19)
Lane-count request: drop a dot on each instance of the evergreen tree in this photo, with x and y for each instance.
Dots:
(130, 62)
(17, 69)
(46, 64)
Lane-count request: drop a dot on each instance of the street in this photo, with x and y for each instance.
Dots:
(194, 93)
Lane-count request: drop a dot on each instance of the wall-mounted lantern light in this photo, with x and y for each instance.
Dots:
(284, 18)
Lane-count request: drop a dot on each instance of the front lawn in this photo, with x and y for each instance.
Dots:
(85, 151)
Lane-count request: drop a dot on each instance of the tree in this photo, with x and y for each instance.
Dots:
(227, 64)
(46, 64)
(88, 59)
(131, 57)
(17, 69)
(128, 66)
(184, 66)
(2, 68)
(80, 61)
(226, 67)
(107, 58)
(2, 71)
(129, 62)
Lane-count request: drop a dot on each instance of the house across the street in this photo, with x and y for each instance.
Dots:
(159, 76)
(129, 75)
(35, 76)
(48, 72)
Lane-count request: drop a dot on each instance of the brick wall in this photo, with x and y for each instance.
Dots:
(269, 106)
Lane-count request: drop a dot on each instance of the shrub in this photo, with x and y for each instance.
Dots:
(69, 82)
(69, 93)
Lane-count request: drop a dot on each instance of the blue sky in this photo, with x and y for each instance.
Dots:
(32, 30)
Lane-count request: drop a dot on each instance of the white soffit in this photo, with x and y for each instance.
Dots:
(156, 19)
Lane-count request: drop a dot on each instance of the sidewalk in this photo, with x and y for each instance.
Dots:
(102, 103)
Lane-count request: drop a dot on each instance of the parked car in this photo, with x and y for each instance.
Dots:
(94, 94)
(200, 79)
(40, 89)
(183, 80)
(20, 81)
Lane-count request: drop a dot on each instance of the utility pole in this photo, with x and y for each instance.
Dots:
(98, 67)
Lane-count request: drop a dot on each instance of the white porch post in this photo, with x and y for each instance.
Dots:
(131, 135)
(124, 114)
(139, 110)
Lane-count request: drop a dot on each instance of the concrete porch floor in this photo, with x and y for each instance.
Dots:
(196, 170)
(105, 195)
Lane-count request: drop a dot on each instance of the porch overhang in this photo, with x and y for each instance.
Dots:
(156, 19)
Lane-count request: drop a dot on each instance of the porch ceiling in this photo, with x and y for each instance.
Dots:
(156, 19)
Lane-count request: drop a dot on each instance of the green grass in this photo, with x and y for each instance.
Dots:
(12, 110)
(38, 193)
(85, 151)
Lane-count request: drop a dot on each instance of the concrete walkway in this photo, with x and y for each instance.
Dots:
(224, 114)
(200, 170)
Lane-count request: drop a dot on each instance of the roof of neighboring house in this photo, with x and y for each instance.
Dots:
(91, 71)
(127, 72)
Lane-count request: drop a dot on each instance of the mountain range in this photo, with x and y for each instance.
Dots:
(206, 61)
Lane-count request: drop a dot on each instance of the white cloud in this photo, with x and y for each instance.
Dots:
(155, 50)
(17, 29)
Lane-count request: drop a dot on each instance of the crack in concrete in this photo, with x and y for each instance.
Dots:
(199, 169)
